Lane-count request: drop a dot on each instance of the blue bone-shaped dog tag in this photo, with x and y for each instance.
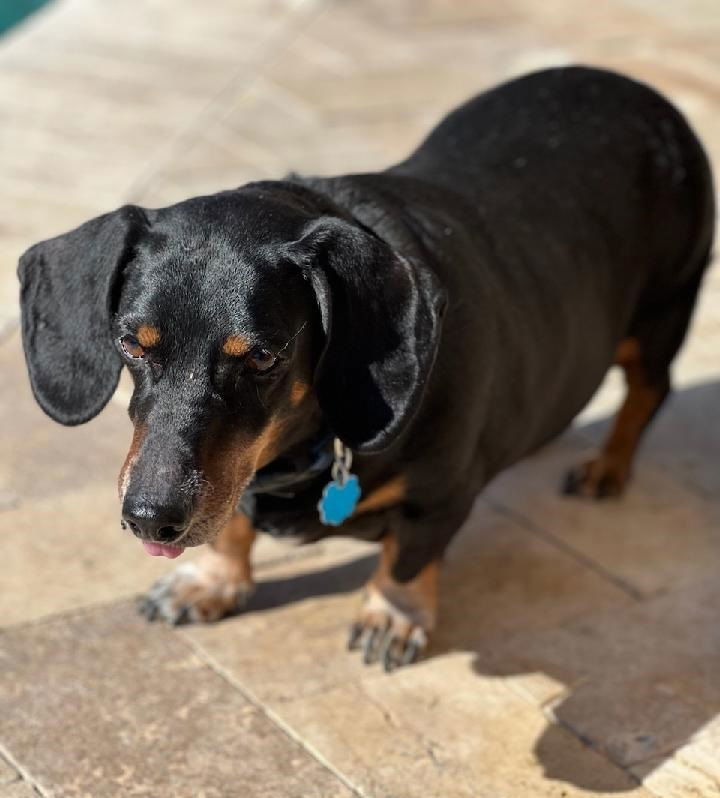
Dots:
(338, 500)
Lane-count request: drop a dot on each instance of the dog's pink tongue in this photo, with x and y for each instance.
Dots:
(162, 550)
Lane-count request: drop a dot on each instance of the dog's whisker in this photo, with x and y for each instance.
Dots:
(287, 343)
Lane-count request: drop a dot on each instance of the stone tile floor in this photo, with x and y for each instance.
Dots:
(580, 648)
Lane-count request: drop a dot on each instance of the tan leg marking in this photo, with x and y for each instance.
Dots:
(395, 618)
(218, 584)
(608, 473)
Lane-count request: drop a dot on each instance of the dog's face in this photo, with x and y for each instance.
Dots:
(221, 333)
(247, 320)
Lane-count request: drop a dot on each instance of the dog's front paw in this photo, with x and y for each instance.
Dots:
(601, 478)
(392, 627)
(198, 592)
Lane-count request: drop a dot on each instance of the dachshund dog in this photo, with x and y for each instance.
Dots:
(403, 335)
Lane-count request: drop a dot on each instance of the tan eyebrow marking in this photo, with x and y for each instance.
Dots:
(236, 345)
(147, 335)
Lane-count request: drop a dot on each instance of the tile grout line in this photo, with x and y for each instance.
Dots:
(270, 714)
(52, 617)
(25, 776)
(586, 743)
(559, 544)
(132, 597)
(546, 710)
(667, 754)
(210, 663)
(603, 573)
(277, 43)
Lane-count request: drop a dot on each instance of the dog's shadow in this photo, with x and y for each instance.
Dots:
(344, 578)
(618, 641)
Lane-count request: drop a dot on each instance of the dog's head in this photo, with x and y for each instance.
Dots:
(247, 319)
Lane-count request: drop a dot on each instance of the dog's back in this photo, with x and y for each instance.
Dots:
(555, 128)
(596, 205)
(560, 210)
(558, 145)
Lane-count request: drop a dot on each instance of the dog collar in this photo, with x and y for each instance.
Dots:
(287, 475)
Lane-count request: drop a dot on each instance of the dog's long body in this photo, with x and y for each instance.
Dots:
(563, 213)
(442, 318)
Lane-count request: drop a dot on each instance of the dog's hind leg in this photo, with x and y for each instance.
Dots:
(608, 473)
(645, 357)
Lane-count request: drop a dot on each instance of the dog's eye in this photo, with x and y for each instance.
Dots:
(131, 346)
(260, 361)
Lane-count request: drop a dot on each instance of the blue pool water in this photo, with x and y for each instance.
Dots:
(12, 11)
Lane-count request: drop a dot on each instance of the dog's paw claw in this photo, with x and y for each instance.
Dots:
(181, 617)
(601, 478)
(570, 484)
(354, 635)
(397, 652)
(190, 595)
(385, 634)
(148, 609)
(370, 645)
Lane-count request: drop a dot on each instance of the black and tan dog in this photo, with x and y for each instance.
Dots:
(441, 319)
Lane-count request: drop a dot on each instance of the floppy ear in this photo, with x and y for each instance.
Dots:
(381, 313)
(66, 292)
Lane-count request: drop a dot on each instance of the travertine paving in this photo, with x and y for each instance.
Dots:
(579, 648)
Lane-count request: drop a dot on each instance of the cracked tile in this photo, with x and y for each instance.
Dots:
(638, 684)
(440, 729)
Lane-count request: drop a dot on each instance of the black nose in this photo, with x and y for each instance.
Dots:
(154, 522)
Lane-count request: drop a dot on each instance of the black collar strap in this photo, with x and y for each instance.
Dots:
(291, 472)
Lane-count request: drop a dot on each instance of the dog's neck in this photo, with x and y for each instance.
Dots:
(296, 468)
